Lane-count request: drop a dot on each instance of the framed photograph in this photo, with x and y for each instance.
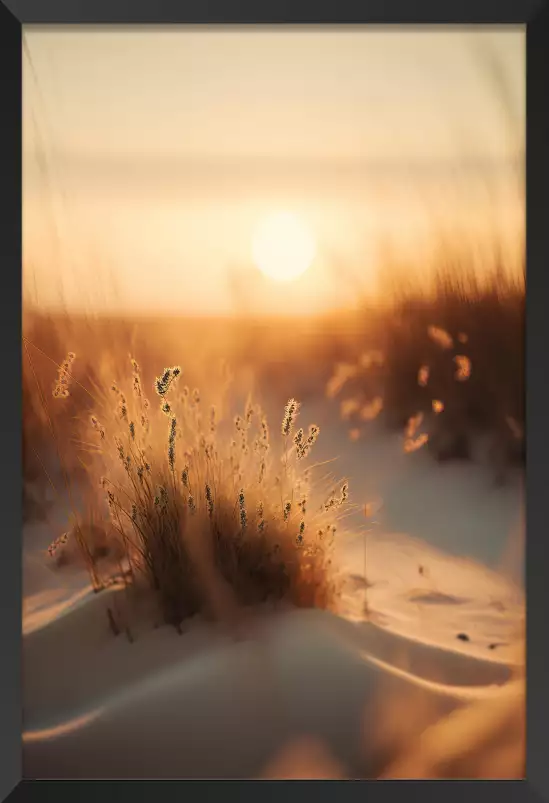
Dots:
(276, 288)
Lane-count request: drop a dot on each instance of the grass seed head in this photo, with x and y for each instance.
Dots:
(290, 414)
(463, 364)
(97, 426)
(440, 337)
(62, 384)
(54, 546)
(162, 384)
(371, 411)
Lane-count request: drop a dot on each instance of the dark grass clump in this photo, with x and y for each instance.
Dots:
(453, 353)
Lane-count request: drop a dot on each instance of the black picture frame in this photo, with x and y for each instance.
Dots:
(535, 15)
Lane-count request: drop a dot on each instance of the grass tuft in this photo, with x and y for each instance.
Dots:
(205, 514)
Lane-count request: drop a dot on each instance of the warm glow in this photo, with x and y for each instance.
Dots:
(283, 248)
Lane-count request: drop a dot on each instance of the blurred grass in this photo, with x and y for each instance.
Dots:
(439, 353)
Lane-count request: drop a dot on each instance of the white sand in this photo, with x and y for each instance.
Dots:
(202, 705)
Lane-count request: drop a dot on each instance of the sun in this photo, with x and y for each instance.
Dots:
(283, 248)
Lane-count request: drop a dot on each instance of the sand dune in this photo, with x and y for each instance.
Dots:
(422, 635)
(221, 709)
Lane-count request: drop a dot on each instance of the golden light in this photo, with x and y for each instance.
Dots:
(283, 248)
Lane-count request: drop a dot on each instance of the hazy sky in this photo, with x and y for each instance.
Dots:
(158, 150)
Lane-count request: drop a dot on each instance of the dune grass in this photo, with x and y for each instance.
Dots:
(449, 349)
(204, 511)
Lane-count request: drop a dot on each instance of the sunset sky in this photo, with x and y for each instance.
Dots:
(152, 155)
